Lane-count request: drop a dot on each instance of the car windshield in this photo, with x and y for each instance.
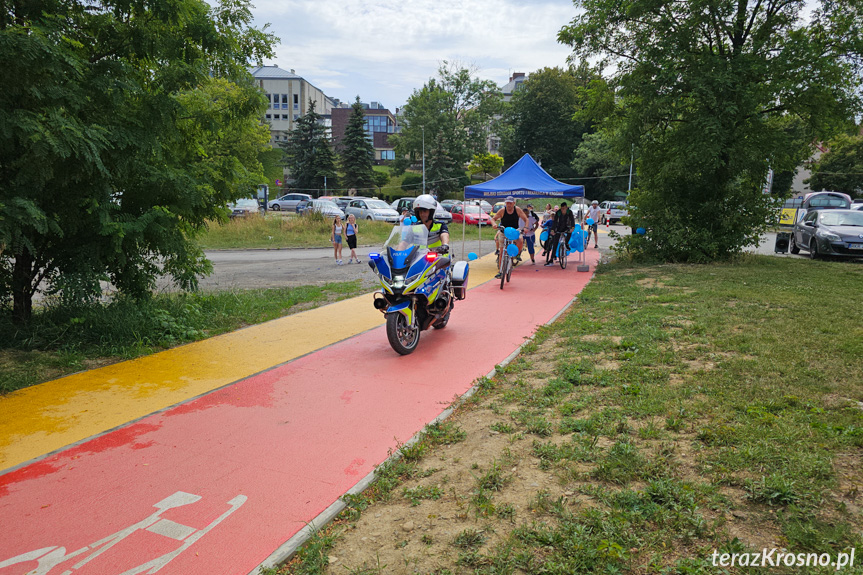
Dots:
(377, 205)
(842, 219)
(246, 203)
(403, 237)
(326, 204)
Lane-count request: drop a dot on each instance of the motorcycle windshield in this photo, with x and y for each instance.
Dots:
(402, 242)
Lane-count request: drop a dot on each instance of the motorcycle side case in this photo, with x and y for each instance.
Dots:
(459, 279)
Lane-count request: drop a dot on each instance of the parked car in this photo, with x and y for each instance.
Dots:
(496, 208)
(486, 207)
(825, 201)
(472, 215)
(834, 232)
(372, 209)
(612, 212)
(448, 204)
(441, 214)
(244, 208)
(324, 207)
(302, 206)
(288, 202)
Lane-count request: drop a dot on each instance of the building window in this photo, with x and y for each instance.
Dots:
(276, 101)
(270, 100)
(388, 155)
(267, 116)
(276, 117)
(284, 101)
(296, 101)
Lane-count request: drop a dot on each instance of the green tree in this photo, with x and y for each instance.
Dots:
(603, 170)
(485, 164)
(126, 127)
(543, 119)
(309, 155)
(357, 153)
(456, 105)
(840, 169)
(443, 174)
(708, 92)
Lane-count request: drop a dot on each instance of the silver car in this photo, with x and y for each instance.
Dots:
(372, 209)
(288, 202)
(243, 208)
(325, 207)
(829, 232)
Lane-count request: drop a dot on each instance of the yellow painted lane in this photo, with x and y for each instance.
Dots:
(43, 418)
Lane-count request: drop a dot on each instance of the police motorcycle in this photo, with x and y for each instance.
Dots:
(419, 285)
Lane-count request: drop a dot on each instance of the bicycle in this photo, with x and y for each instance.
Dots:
(562, 250)
(504, 260)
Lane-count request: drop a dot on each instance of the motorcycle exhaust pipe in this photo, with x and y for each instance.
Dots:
(380, 303)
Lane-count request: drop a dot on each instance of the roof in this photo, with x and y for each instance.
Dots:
(273, 72)
(524, 179)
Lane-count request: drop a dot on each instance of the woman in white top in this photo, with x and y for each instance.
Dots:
(336, 238)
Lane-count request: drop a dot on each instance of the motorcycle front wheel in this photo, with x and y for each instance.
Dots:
(402, 337)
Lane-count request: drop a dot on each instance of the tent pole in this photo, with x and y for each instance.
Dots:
(463, 223)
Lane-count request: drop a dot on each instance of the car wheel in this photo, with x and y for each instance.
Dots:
(792, 245)
(369, 218)
(813, 250)
(275, 208)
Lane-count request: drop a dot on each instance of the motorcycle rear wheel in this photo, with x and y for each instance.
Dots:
(402, 338)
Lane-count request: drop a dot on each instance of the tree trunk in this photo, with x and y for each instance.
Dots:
(22, 287)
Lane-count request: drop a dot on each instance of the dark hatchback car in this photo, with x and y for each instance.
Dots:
(829, 233)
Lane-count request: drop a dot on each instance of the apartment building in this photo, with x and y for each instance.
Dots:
(289, 96)
(380, 123)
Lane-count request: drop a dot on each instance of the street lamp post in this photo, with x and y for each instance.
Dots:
(424, 157)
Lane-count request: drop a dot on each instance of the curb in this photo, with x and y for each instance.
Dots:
(289, 548)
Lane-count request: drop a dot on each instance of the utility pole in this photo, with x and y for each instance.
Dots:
(424, 157)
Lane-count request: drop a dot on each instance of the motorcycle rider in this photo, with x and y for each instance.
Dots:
(424, 208)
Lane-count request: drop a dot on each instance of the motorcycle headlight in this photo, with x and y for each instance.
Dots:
(827, 235)
(399, 282)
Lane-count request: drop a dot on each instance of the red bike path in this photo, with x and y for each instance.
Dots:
(215, 485)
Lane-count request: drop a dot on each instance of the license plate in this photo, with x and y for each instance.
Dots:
(855, 246)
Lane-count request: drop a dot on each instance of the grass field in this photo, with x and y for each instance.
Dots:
(276, 230)
(59, 342)
(674, 411)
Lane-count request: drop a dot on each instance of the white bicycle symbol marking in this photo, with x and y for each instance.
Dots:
(49, 557)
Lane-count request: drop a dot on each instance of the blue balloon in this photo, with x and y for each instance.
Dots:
(472, 256)
(543, 237)
(511, 233)
(641, 231)
(414, 220)
(512, 250)
(589, 221)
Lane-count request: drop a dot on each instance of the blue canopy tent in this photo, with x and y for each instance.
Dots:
(524, 179)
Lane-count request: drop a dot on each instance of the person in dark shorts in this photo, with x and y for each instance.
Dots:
(351, 230)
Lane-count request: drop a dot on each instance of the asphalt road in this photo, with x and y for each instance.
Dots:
(251, 269)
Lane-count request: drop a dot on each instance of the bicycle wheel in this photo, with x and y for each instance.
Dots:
(561, 254)
(502, 267)
(509, 269)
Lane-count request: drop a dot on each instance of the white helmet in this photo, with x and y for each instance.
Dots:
(425, 201)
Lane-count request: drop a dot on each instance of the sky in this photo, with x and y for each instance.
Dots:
(383, 50)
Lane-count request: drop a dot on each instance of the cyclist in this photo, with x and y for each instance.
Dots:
(509, 217)
(564, 223)
(424, 208)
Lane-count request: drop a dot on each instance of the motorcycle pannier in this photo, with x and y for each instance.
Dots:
(459, 279)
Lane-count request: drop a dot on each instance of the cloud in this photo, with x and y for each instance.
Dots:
(383, 51)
